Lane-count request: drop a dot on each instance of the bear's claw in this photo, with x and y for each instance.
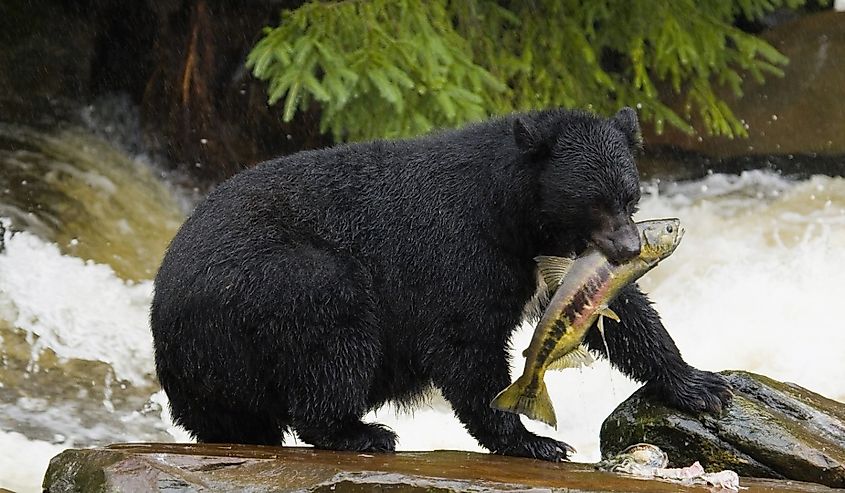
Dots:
(537, 447)
(696, 391)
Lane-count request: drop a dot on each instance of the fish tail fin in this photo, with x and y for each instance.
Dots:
(517, 399)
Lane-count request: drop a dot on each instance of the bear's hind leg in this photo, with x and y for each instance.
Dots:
(225, 425)
(349, 434)
(328, 397)
(332, 355)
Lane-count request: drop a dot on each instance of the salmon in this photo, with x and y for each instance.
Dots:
(583, 288)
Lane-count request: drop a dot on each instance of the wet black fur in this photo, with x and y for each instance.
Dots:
(314, 287)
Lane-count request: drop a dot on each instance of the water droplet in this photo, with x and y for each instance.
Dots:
(203, 141)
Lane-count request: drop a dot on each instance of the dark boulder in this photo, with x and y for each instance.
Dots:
(771, 429)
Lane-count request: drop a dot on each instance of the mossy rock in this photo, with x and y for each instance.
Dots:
(771, 429)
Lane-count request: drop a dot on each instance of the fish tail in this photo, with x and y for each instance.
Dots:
(517, 399)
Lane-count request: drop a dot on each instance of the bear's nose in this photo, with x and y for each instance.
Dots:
(620, 244)
(627, 247)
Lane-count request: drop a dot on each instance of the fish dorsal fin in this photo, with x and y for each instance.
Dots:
(553, 269)
(578, 357)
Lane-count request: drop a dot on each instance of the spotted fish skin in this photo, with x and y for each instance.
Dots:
(583, 288)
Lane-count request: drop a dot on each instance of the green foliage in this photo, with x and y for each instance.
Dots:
(389, 68)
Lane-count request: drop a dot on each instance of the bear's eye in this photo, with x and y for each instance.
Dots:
(669, 229)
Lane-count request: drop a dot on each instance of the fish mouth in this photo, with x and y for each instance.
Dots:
(678, 238)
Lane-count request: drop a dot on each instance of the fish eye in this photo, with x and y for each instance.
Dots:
(669, 229)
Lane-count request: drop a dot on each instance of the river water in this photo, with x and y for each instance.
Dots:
(755, 285)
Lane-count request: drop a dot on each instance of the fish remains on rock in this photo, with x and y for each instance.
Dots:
(583, 289)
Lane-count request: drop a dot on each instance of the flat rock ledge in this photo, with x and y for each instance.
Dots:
(202, 467)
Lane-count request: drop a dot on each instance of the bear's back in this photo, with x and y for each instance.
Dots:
(373, 191)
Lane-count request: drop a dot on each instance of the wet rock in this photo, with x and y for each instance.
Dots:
(160, 467)
(772, 429)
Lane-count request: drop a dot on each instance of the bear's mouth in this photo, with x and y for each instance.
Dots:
(618, 244)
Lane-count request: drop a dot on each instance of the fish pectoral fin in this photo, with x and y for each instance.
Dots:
(607, 312)
(553, 269)
(518, 399)
(578, 357)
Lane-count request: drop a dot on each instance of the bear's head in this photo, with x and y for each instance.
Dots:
(589, 184)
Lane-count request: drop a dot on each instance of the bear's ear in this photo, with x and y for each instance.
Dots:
(528, 138)
(626, 121)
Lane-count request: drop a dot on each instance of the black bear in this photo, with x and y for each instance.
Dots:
(312, 288)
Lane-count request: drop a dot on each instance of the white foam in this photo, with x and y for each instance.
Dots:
(24, 461)
(78, 309)
(759, 289)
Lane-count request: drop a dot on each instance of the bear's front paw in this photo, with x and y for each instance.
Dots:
(695, 391)
(536, 447)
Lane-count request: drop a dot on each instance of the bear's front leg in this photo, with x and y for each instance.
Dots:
(470, 374)
(641, 348)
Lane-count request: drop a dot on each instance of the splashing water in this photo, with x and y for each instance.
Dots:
(76, 365)
(87, 314)
(753, 286)
(88, 197)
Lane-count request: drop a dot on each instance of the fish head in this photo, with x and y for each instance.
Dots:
(659, 237)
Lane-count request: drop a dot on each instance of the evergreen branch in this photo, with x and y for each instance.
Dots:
(389, 68)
